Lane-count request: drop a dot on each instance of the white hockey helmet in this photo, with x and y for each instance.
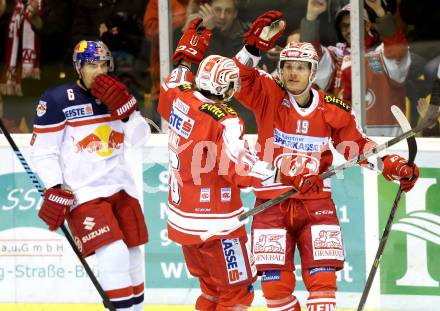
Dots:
(215, 75)
(300, 51)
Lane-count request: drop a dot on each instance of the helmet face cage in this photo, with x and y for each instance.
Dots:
(215, 75)
(300, 51)
(91, 51)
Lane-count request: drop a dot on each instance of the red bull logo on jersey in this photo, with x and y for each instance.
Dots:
(103, 141)
(234, 260)
(78, 111)
(327, 242)
(181, 123)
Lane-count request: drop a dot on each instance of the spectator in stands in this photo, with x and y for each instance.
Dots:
(387, 62)
(221, 16)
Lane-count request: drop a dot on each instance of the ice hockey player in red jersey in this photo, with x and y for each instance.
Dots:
(209, 162)
(296, 125)
(78, 143)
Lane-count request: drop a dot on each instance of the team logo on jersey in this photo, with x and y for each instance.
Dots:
(226, 194)
(234, 260)
(336, 101)
(213, 110)
(299, 163)
(327, 242)
(181, 123)
(41, 108)
(103, 141)
(205, 195)
(299, 142)
(78, 111)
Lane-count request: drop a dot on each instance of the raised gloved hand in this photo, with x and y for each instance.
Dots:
(193, 43)
(396, 168)
(56, 207)
(114, 94)
(265, 30)
(298, 177)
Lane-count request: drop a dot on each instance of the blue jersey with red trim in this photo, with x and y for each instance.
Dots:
(77, 143)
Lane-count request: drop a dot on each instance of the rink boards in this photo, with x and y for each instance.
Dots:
(38, 266)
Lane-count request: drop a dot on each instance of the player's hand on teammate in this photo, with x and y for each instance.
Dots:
(193, 43)
(302, 179)
(265, 30)
(396, 168)
(56, 207)
(114, 94)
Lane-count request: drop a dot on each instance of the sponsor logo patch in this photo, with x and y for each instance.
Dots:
(89, 223)
(270, 276)
(181, 123)
(313, 271)
(234, 260)
(78, 111)
(225, 194)
(205, 195)
(213, 110)
(41, 108)
(181, 106)
(269, 246)
(327, 242)
(299, 142)
(336, 101)
(94, 234)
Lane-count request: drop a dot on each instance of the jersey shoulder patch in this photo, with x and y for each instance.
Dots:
(213, 110)
(338, 102)
(185, 87)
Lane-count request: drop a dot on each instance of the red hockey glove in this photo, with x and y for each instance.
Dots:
(114, 94)
(395, 168)
(266, 30)
(193, 43)
(56, 207)
(301, 180)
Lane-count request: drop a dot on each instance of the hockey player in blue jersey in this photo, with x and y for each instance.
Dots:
(78, 151)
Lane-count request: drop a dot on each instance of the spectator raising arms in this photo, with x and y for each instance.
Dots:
(387, 62)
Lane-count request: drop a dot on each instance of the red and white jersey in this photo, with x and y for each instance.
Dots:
(386, 70)
(287, 130)
(209, 161)
(76, 143)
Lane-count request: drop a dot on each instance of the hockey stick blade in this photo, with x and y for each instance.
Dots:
(412, 152)
(69, 238)
(330, 173)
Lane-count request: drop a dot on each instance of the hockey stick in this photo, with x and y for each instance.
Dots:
(69, 238)
(431, 116)
(412, 152)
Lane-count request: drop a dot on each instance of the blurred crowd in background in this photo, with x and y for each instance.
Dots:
(38, 36)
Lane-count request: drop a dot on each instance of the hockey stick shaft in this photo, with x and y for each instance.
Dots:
(69, 238)
(328, 174)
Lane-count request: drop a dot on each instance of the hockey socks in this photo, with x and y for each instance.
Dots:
(114, 264)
